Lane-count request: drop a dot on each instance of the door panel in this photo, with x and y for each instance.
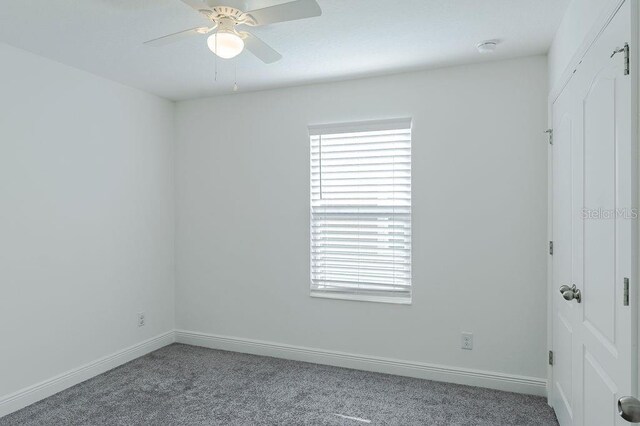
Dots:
(599, 395)
(564, 312)
(599, 200)
(563, 377)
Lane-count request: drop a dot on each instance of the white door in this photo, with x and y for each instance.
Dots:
(565, 126)
(595, 358)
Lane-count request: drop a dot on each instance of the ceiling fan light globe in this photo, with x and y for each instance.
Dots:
(226, 45)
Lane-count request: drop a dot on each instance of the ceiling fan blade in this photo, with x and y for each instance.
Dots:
(196, 4)
(298, 9)
(164, 40)
(262, 50)
(202, 7)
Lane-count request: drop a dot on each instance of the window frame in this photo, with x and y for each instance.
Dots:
(354, 127)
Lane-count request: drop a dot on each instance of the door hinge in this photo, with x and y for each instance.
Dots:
(550, 357)
(551, 248)
(624, 50)
(550, 132)
(625, 297)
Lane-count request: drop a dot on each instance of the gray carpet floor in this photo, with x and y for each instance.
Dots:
(187, 385)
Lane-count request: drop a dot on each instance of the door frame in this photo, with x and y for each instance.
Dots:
(607, 14)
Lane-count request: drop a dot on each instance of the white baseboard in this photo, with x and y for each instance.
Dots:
(488, 379)
(46, 388)
(464, 376)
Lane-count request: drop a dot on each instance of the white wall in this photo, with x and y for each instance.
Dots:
(479, 217)
(580, 17)
(86, 218)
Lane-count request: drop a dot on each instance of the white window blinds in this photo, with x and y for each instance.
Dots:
(361, 211)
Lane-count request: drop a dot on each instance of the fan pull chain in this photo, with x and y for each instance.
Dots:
(235, 76)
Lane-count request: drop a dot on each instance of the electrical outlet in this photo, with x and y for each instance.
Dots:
(467, 341)
(141, 319)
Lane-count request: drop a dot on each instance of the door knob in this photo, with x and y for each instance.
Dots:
(564, 288)
(571, 293)
(629, 409)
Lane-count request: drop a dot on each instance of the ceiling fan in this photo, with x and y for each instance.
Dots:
(227, 42)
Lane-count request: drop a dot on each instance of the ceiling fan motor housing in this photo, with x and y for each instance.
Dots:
(227, 25)
(220, 14)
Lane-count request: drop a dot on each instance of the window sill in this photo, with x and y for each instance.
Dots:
(362, 298)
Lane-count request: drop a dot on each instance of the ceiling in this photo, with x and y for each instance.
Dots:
(352, 38)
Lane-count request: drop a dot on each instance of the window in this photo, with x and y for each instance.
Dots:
(361, 211)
